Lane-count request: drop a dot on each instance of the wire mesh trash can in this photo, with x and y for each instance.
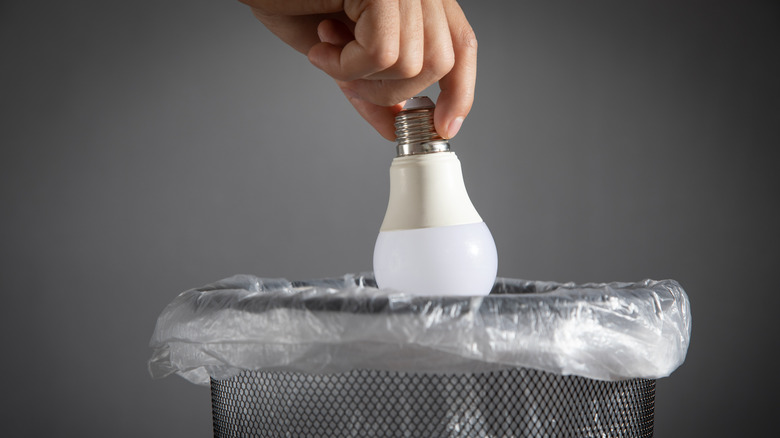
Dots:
(341, 358)
(518, 402)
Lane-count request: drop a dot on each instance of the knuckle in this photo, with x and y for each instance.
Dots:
(383, 57)
(467, 38)
(440, 63)
(410, 67)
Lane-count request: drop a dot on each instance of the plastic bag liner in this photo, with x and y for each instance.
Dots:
(604, 331)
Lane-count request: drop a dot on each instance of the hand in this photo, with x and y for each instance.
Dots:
(383, 52)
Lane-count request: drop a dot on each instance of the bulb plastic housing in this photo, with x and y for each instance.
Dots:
(432, 240)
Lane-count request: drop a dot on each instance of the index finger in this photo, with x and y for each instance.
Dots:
(457, 86)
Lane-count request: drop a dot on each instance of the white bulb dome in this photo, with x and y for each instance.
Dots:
(448, 260)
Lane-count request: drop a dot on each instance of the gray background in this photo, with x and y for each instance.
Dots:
(150, 147)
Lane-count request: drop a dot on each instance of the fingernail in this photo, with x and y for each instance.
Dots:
(454, 127)
(350, 93)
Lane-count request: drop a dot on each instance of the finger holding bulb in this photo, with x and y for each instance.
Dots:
(431, 37)
(383, 52)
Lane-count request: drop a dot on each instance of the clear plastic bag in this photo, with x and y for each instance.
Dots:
(605, 331)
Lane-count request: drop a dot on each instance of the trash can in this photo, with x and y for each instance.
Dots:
(341, 358)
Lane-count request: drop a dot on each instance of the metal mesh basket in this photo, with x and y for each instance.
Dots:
(365, 403)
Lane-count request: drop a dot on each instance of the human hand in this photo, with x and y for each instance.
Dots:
(382, 52)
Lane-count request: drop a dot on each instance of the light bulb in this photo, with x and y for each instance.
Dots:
(432, 240)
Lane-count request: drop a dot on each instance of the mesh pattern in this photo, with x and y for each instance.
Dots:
(362, 403)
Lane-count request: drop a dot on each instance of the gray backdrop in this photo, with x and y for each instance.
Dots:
(150, 147)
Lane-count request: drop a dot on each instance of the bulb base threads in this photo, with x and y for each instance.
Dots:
(414, 129)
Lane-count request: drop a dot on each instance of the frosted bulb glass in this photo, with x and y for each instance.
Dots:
(449, 260)
(432, 240)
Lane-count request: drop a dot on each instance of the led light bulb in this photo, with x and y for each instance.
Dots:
(432, 240)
